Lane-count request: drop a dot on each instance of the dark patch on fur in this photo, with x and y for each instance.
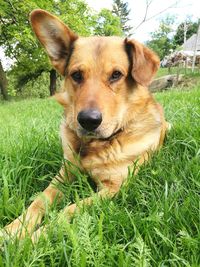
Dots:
(62, 51)
(129, 51)
(68, 57)
(83, 152)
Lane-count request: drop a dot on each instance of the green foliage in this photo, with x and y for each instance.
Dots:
(76, 14)
(38, 88)
(179, 34)
(17, 38)
(161, 41)
(35, 88)
(19, 42)
(107, 24)
(120, 9)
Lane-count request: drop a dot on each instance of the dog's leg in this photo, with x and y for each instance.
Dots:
(109, 189)
(26, 223)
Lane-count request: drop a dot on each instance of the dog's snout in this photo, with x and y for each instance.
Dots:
(89, 119)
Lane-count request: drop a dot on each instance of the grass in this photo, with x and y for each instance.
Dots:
(153, 221)
(164, 71)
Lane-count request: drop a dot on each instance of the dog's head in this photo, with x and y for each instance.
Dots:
(102, 75)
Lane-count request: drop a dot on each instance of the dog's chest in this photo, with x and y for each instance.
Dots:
(91, 149)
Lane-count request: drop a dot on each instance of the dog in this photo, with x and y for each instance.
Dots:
(111, 120)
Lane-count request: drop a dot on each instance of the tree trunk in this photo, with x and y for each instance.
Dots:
(3, 83)
(195, 48)
(52, 86)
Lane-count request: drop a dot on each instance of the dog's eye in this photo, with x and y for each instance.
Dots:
(77, 76)
(116, 75)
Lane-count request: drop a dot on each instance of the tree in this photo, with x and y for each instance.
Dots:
(120, 9)
(3, 83)
(161, 41)
(189, 27)
(107, 24)
(20, 44)
(18, 41)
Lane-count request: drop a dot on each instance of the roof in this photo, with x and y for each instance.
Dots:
(190, 43)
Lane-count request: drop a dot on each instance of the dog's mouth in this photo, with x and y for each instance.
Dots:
(113, 135)
(82, 133)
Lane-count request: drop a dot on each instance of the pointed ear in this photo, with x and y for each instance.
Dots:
(145, 62)
(54, 35)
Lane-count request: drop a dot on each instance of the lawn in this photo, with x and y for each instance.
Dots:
(164, 71)
(153, 221)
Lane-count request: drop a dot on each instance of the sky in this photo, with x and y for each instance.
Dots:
(182, 10)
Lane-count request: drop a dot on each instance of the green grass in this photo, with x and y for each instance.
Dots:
(164, 71)
(153, 221)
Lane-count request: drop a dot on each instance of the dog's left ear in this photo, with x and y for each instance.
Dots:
(54, 35)
(145, 62)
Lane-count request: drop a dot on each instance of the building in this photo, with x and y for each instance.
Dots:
(190, 43)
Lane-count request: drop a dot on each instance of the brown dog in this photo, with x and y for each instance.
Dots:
(111, 119)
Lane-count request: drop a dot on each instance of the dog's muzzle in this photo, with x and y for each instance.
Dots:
(89, 119)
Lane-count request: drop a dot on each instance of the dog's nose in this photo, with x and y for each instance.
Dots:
(89, 119)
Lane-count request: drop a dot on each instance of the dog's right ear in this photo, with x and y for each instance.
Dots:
(54, 35)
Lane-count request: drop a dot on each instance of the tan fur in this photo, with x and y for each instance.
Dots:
(133, 124)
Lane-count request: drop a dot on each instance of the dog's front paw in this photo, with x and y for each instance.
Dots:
(19, 228)
(14, 228)
(3, 237)
(37, 234)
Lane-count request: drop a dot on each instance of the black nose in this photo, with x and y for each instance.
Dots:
(89, 119)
